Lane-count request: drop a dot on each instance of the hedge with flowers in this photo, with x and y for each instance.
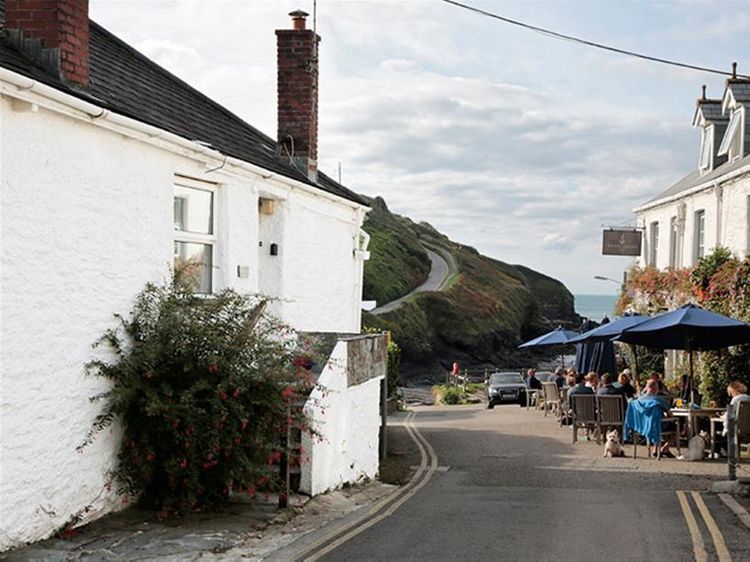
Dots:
(204, 389)
(720, 282)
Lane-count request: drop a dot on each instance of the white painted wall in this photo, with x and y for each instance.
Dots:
(86, 222)
(727, 222)
(348, 422)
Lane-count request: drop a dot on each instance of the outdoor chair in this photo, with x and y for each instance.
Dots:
(611, 410)
(551, 395)
(584, 415)
(565, 412)
(669, 428)
(742, 426)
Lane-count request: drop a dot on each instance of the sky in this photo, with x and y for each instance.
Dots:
(506, 140)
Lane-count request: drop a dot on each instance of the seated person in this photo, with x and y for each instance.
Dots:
(606, 388)
(571, 381)
(531, 380)
(651, 393)
(737, 392)
(579, 388)
(560, 377)
(592, 380)
(625, 387)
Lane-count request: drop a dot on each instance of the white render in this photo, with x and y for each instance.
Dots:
(726, 204)
(87, 220)
(348, 421)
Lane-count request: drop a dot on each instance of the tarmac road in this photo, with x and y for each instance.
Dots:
(510, 485)
(439, 272)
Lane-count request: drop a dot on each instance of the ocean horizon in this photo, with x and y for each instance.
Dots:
(595, 307)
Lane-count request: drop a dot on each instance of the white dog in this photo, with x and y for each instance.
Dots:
(612, 446)
(696, 447)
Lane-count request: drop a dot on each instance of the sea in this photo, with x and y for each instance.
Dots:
(595, 306)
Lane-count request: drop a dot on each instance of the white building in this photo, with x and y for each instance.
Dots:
(112, 169)
(709, 207)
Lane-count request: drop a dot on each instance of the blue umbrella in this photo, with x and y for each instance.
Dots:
(690, 328)
(606, 332)
(558, 336)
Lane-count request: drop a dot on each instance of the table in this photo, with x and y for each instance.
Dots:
(692, 415)
(532, 392)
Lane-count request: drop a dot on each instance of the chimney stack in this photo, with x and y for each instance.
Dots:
(53, 32)
(298, 95)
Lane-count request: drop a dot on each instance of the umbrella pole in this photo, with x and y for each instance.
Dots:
(690, 379)
(635, 362)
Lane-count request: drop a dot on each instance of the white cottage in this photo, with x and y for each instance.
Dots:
(709, 207)
(112, 169)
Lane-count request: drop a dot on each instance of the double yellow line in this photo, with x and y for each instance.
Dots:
(699, 547)
(383, 508)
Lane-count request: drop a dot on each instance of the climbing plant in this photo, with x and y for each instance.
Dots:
(203, 388)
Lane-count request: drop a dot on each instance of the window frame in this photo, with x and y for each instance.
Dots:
(208, 239)
(673, 241)
(733, 136)
(654, 242)
(705, 163)
(699, 235)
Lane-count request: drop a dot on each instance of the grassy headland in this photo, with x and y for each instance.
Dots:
(486, 310)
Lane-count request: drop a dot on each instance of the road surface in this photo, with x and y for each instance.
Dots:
(439, 272)
(508, 484)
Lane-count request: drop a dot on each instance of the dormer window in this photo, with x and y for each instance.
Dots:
(707, 149)
(731, 143)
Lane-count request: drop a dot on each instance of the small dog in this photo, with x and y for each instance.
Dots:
(612, 446)
(696, 447)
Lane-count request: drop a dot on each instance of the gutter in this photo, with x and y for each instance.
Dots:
(148, 133)
(693, 190)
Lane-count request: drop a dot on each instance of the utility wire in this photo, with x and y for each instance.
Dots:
(573, 39)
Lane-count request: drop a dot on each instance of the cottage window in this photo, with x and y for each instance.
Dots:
(673, 235)
(654, 243)
(730, 144)
(194, 237)
(699, 235)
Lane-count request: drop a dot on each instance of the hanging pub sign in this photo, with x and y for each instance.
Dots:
(621, 243)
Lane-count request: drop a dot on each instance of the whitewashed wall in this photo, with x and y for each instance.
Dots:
(731, 230)
(86, 222)
(348, 422)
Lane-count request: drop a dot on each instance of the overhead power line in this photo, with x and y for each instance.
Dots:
(578, 40)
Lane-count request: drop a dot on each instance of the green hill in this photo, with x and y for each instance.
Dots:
(486, 310)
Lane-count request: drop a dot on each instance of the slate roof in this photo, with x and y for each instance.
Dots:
(126, 82)
(695, 178)
(711, 110)
(740, 89)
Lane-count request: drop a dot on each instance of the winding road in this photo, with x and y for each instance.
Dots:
(440, 270)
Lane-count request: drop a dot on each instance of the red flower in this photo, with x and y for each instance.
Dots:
(236, 393)
(183, 464)
(262, 480)
(276, 456)
(251, 492)
(287, 392)
(244, 424)
(237, 440)
(213, 368)
(222, 395)
(150, 457)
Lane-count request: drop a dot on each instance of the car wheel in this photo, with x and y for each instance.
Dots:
(490, 405)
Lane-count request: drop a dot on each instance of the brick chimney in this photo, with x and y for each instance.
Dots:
(298, 95)
(54, 33)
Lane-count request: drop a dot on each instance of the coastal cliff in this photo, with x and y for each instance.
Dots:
(484, 309)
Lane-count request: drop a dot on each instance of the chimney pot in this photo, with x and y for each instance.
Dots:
(734, 70)
(704, 91)
(298, 19)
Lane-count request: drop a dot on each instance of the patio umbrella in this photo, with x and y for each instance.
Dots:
(597, 344)
(558, 336)
(690, 328)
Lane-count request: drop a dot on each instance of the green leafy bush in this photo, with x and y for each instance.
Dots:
(452, 395)
(204, 389)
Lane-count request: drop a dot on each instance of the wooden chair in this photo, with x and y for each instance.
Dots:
(672, 427)
(611, 410)
(551, 395)
(584, 415)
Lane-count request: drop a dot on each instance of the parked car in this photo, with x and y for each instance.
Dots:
(505, 387)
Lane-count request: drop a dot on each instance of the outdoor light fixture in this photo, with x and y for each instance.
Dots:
(602, 278)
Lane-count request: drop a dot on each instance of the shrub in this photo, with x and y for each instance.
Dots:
(452, 395)
(203, 387)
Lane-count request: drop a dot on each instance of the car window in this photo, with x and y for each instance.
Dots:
(506, 378)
